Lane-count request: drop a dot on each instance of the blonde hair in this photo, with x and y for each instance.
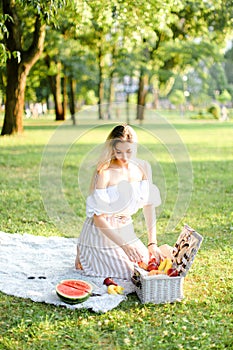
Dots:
(121, 133)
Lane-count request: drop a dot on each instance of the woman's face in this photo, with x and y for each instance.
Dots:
(123, 152)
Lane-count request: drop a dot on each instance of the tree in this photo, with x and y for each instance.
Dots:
(187, 34)
(62, 52)
(178, 99)
(24, 42)
(101, 19)
(228, 67)
(224, 97)
(154, 41)
(54, 76)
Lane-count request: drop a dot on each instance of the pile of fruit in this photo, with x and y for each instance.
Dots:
(112, 286)
(154, 267)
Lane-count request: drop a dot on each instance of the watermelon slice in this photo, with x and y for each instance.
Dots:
(73, 291)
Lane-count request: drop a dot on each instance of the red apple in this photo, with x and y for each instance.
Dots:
(152, 260)
(108, 281)
(172, 272)
(152, 266)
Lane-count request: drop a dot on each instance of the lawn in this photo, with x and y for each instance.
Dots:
(192, 162)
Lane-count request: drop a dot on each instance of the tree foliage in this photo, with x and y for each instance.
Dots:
(94, 45)
(23, 41)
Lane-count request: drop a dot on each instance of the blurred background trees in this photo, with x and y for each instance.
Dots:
(60, 55)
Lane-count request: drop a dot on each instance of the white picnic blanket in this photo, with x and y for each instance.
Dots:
(32, 266)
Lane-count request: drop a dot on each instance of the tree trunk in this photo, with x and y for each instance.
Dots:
(142, 92)
(16, 83)
(110, 96)
(18, 67)
(15, 95)
(64, 94)
(111, 82)
(100, 83)
(55, 85)
(72, 85)
(155, 103)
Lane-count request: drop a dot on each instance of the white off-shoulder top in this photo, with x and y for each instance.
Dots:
(122, 199)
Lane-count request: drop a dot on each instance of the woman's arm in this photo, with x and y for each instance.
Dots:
(150, 219)
(112, 233)
(108, 230)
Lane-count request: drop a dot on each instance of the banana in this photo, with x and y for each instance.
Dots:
(111, 289)
(119, 289)
(168, 265)
(165, 265)
(162, 265)
(115, 289)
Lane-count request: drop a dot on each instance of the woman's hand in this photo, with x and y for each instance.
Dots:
(132, 252)
(154, 251)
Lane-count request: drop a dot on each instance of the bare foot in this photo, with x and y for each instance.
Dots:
(78, 265)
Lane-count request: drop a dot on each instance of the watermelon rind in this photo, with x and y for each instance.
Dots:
(84, 286)
(73, 301)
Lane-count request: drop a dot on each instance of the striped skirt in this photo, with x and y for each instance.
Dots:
(99, 256)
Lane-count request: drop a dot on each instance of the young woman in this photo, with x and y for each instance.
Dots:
(122, 184)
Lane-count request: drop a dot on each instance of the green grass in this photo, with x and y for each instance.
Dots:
(203, 320)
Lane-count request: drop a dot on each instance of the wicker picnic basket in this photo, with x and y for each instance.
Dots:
(159, 289)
